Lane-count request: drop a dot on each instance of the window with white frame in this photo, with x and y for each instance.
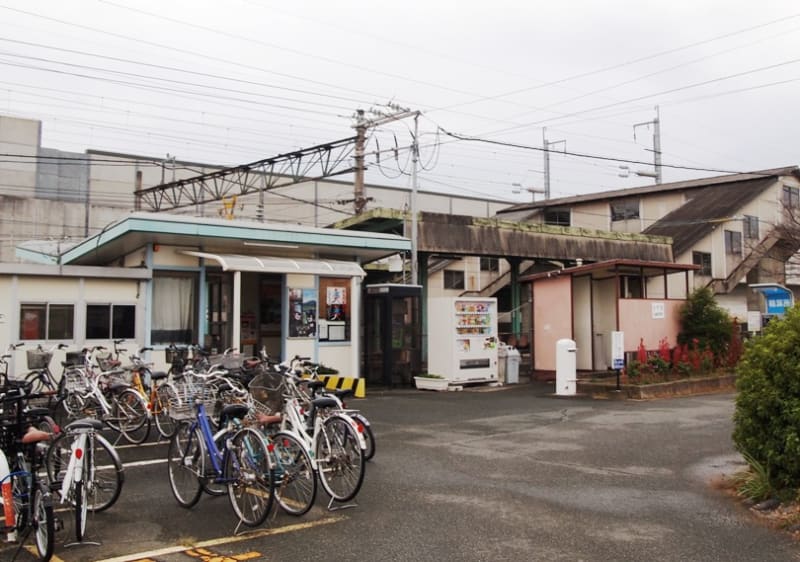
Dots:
(453, 279)
(557, 216)
(791, 196)
(46, 321)
(750, 227)
(733, 242)
(703, 259)
(110, 321)
(490, 264)
(624, 209)
(174, 318)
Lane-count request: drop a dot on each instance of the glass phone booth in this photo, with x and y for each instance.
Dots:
(393, 334)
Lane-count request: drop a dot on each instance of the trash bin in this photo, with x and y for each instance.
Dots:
(502, 355)
(512, 366)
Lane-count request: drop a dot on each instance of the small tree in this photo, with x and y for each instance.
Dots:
(704, 324)
(767, 415)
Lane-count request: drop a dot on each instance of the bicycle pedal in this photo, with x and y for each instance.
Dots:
(58, 524)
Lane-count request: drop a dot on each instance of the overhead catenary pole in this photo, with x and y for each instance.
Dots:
(414, 228)
(546, 146)
(656, 123)
(657, 145)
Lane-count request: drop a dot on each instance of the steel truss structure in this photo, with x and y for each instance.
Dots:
(321, 161)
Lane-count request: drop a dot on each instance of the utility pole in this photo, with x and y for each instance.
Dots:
(546, 146)
(382, 118)
(359, 201)
(656, 123)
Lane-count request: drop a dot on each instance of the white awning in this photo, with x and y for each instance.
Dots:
(270, 264)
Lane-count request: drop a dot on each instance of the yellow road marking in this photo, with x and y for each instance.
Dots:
(32, 549)
(224, 540)
(209, 556)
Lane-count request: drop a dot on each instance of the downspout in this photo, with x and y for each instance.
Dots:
(236, 337)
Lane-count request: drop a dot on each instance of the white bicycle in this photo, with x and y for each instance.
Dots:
(86, 469)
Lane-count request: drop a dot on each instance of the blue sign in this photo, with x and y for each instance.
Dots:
(778, 298)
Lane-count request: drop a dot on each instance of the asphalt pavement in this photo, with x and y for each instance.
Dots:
(486, 474)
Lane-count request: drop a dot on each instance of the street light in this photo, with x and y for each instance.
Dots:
(531, 190)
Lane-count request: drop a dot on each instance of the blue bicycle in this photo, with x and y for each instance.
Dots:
(236, 457)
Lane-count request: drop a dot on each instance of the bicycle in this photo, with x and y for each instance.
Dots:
(317, 388)
(39, 375)
(336, 440)
(295, 469)
(85, 469)
(26, 500)
(113, 401)
(154, 387)
(5, 379)
(236, 457)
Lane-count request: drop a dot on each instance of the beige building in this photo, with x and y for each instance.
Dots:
(726, 225)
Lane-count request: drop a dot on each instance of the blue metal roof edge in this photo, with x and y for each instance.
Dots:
(339, 238)
(35, 257)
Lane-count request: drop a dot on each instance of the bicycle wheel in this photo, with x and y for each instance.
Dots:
(79, 499)
(185, 462)
(107, 476)
(40, 382)
(44, 526)
(21, 495)
(295, 481)
(165, 424)
(250, 488)
(74, 404)
(340, 460)
(369, 437)
(130, 413)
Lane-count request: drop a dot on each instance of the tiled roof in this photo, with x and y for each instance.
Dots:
(698, 216)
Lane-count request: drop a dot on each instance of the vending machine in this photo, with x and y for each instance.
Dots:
(462, 338)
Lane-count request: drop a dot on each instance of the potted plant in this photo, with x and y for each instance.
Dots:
(428, 381)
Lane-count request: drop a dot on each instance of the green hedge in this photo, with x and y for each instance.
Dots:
(767, 415)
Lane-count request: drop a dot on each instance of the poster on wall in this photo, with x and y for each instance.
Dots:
(302, 313)
(336, 299)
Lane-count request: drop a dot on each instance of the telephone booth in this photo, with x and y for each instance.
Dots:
(393, 334)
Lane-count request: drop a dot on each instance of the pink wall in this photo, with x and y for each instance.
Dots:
(636, 321)
(552, 319)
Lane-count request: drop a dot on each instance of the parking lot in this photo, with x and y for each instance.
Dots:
(487, 474)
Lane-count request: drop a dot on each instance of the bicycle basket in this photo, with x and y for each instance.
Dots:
(105, 361)
(74, 359)
(38, 359)
(176, 356)
(187, 392)
(265, 388)
(75, 381)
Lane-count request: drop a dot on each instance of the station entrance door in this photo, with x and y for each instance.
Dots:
(393, 334)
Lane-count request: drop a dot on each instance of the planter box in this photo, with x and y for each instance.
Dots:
(427, 383)
(684, 387)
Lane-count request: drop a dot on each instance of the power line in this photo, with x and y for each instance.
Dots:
(583, 155)
(630, 62)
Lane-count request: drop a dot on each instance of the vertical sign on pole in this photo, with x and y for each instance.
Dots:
(617, 353)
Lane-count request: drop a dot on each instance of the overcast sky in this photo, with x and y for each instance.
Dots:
(241, 80)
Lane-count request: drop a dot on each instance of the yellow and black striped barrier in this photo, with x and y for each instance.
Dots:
(336, 382)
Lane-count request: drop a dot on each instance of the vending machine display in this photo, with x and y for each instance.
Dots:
(462, 338)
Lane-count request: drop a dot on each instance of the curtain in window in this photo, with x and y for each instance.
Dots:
(173, 310)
